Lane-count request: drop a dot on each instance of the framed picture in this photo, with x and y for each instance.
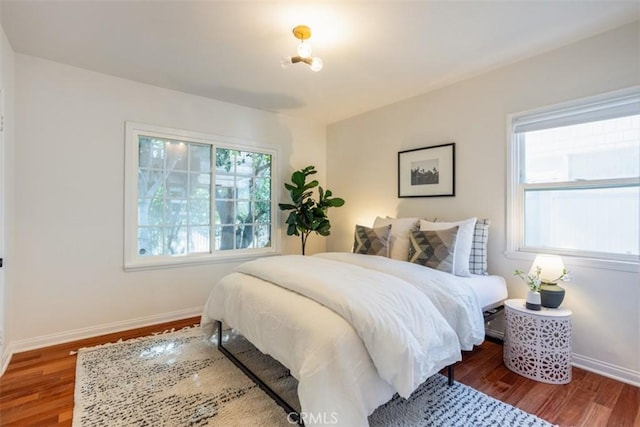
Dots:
(427, 172)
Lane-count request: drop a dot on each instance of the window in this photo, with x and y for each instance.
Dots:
(575, 179)
(193, 198)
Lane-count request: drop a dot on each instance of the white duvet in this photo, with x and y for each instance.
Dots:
(349, 331)
(450, 294)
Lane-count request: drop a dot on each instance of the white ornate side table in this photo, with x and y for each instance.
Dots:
(537, 344)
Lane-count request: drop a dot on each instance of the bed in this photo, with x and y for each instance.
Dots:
(347, 368)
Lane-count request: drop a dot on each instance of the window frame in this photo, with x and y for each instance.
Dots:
(515, 220)
(132, 261)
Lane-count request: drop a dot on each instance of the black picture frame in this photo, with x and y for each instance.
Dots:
(427, 171)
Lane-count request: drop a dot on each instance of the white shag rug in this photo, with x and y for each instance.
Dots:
(180, 379)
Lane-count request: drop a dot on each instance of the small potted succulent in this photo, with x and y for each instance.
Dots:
(533, 282)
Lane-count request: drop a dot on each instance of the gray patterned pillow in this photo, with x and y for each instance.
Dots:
(434, 248)
(478, 257)
(372, 241)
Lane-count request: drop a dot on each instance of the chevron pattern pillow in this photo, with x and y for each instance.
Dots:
(372, 241)
(434, 248)
(464, 241)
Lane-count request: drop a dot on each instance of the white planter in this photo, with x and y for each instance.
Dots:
(533, 301)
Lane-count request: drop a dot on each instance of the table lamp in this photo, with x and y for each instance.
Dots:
(552, 270)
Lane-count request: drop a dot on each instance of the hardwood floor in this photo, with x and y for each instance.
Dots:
(589, 400)
(37, 388)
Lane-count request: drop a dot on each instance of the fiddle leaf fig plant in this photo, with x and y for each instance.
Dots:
(307, 213)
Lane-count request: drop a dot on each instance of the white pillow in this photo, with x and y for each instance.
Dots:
(463, 242)
(400, 228)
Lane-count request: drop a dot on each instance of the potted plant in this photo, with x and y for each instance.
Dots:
(533, 282)
(308, 214)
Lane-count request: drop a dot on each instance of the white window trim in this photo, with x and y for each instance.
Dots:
(515, 248)
(131, 259)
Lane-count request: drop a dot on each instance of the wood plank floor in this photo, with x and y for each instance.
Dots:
(37, 388)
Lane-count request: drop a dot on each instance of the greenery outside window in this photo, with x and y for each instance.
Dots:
(195, 198)
(574, 184)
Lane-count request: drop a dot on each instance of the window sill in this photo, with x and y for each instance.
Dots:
(158, 263)
(578, 261)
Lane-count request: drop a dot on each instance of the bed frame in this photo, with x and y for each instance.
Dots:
(293, 414)
(492, 313)
(489, 315)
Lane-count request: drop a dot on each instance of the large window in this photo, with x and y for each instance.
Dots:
(575, 179)
(194, 198)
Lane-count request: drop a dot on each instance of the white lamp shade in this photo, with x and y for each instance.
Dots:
(551, 267)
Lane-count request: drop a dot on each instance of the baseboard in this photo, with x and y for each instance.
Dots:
(6, 358)
(79, 334)
(606, 369)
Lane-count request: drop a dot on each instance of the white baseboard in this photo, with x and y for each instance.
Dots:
(6, 358)
(93, 331)
(606, 369)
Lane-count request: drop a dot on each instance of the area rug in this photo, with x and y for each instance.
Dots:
(181, 379)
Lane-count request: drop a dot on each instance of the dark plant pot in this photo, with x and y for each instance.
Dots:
(551, 295)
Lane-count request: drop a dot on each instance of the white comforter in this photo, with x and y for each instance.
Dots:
(407, 338)
(453, 298)
(345, 370)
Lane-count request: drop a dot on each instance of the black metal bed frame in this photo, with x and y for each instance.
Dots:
(492, 313)
(292, 413)
(489, 315)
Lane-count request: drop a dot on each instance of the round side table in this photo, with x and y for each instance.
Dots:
(537, 344)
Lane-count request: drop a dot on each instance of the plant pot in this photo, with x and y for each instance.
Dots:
(551, 295)
(533, 301)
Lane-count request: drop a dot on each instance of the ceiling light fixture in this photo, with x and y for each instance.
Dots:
(302, 33)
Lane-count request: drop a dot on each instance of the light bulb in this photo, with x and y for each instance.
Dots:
(285, 62)
(304, 50)
(316, 64)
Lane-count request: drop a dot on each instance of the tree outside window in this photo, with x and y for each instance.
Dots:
(175, 207)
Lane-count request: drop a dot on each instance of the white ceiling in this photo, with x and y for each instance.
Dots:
(375, 52)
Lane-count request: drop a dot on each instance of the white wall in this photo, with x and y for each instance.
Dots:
(6, 192)
(362, 168)
(69, 199)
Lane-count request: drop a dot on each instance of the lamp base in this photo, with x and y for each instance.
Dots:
(551, 295)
